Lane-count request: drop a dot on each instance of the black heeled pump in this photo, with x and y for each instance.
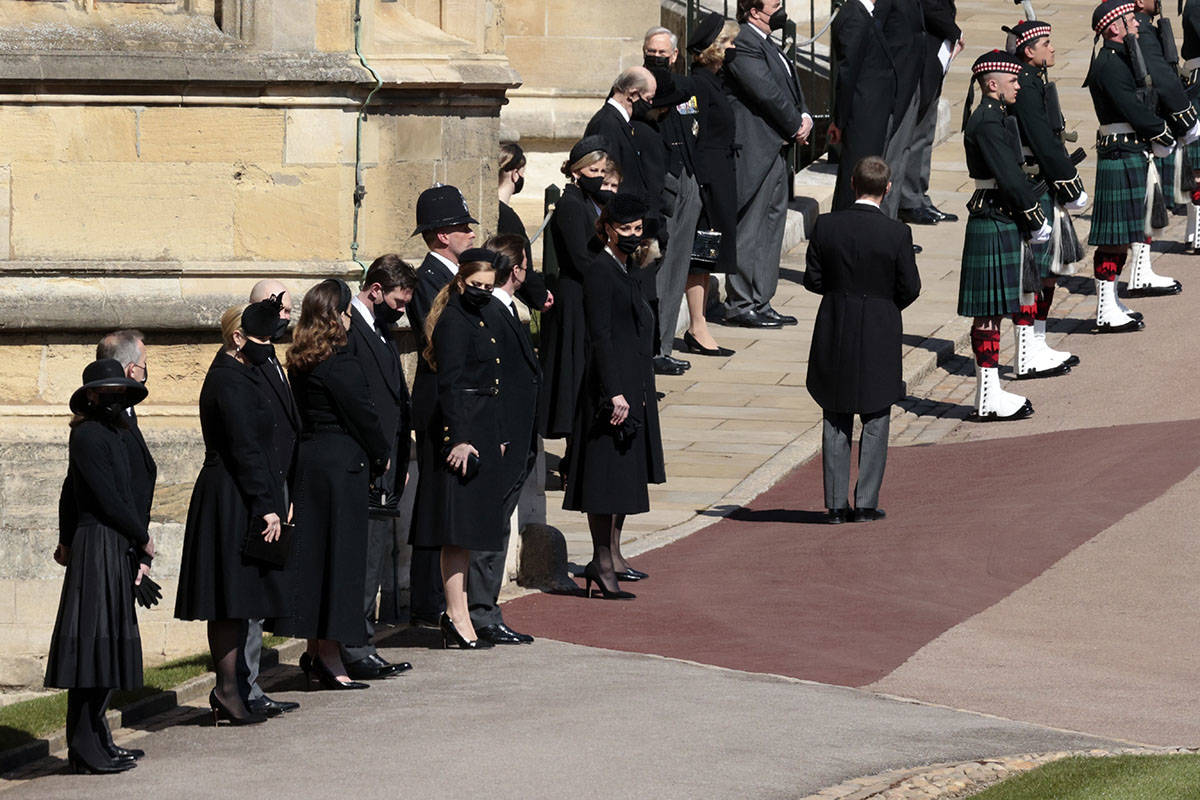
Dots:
(220, 712)
(451, 634)
(315, 669)
(693, 345)
(591, 574)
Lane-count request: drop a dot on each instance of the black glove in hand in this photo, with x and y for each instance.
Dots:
(147, 593)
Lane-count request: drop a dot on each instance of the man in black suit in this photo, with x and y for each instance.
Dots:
(771, 114)
(630, 98)
(862, 264)
(444, 221)
(520, 383)
(385, 292)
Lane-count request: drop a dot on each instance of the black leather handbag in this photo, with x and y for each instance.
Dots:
(706, 247)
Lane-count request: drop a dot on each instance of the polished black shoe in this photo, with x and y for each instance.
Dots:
(679, 362)
(917, 248)
(450, 635)
(663, 366)
(363, 670)
(315, 669)
(836, 516)
(84, 767)
(1175, 287)
(121, 753)
(502, 634)
(1128, 327)
(942, 216)
(775, 316)
(868, 514)
(388, 668)
(221, 712)
(694, 346)
(591, 574)
(631, 574)
(752, 319)
(422, 621)
(919, 216)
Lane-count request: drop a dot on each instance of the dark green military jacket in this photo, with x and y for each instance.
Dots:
(993, 148)
(1115, 98)
(1039, 134)
(1173, 103)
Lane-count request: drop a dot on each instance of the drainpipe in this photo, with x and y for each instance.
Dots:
(360, 190)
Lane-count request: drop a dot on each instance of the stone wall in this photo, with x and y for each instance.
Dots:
(158, 158)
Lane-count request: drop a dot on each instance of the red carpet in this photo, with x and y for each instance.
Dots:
(772, 590)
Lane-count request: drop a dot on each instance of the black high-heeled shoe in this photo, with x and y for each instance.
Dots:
(315, 669)
(451, 634)
(591, 574)
(631, 574)
(82, 767)
(694, 346)
(220, 712)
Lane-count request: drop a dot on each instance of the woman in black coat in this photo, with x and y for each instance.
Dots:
(458, 506)
(617, 443)
(511, 174)
(573, 230)
(237, 495)
(96, 646)
(342, 452)
(715, 172)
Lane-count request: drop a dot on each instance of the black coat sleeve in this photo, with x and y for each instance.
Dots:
(351, 397)
(813, 278)
(1117, 82)
(68, 513)
(250, 465)
(598, 312)
(849, 28)
(575, 231)
(1048, 150)
(939, 20)
(94, 453)
(418, 308)
(908, 279)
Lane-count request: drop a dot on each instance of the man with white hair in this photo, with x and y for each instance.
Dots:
(631, 95)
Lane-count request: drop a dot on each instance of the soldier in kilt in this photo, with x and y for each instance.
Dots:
(1129, 124)
(1041, 123)
(998, 275)
(1190, 52)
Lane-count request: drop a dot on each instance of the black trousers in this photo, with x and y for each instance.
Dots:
(427, 596)
(486, 572)
(88, 736)
(379, 548)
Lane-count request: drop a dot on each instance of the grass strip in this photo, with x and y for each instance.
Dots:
(1174, 776)
(29, 720)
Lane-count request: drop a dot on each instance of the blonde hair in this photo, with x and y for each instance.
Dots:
(587, 160)
(231, 322)
(715, 53)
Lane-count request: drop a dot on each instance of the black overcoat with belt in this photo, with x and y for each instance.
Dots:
(716, 164)
(377, 354)
(451, 509)
(238, 484)
(520, 385)
(563, 338)
(605, 475)
(861, 263)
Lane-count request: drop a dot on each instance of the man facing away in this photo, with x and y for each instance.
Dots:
(861, 262)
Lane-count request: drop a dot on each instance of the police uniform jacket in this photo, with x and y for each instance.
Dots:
(1038, 135)
(993, 149)
(1115, 98)
(1173, 103)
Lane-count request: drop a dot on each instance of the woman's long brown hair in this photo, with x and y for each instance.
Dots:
(319, 331)
(439, 304)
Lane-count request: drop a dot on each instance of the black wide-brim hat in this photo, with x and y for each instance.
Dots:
(107, 373)
(442, 207)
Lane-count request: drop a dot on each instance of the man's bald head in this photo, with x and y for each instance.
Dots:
(635, 80)
(269, 287)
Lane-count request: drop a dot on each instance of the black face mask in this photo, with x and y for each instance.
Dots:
(590, 186)
(729, 54)
(653, 63)
(518, 185)
(145, 375)
(258, 354)
(476, 298)
(777, 19)
(604, 195)
(641, 110)
(627, 244)
(385, 314)
(281, 330)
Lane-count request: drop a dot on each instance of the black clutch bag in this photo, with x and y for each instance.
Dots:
(472, 467)
(706, 247)
(268, 554)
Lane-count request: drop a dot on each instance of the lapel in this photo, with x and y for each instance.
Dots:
(438, 271)
(385, 357)
(775, 63)
(137, 435)
(281, 389)
(518, 330)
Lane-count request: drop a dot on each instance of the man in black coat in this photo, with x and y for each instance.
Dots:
(520, 382)
(384, 294)
(630, 98)
(444, 221)
(862, 264)
(129, 348)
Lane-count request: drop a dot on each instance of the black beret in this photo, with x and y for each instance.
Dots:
(587, 145)
(625, 208)
(705, 32)
(262, 318)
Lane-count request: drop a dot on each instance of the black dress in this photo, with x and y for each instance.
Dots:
(342, 450)
(96, 643)
(533, 291)
(562, 347)
(716, 171)
(236, 487)
(608, 475)
(451, 510)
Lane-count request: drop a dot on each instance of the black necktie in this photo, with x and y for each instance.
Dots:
(513, 308)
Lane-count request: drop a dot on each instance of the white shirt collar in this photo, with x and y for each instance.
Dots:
(502, 296)
(619, 107)
(449, 264)
(869, 5)
(367, 312)
(758, 30)
(866, 202)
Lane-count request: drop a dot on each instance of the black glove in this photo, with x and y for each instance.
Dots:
(147, 593)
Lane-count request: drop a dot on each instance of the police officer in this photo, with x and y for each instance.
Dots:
(1004, 211)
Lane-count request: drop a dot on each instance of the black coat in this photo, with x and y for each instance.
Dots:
(625, 147)
(96, 642)
(431, 277)
(520, 385)
(573, 233)
(940, 26)
(238, 485)
(1190, 48)
(451, 510)
(1173, 102)
(716, 164)
(379, 358)
(342, 450)
(607, 476)
(903, 24)
(533, 292)
(1038, 134)
(861, 263)
(285, 434)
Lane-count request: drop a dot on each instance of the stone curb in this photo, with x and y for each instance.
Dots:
(947, 781)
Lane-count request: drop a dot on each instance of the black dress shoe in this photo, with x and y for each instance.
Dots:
(868, 514)
(917, 248)
(121, 753)
(919, 216)
(387, 668)
(694, 346)
(270, 708)
(664, 366)
(942, 216)
(422, 621)
(679, 362)
(782, 319)
(836, 516)
(752, 319)
(502, 634)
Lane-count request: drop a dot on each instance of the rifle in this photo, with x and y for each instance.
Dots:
(1146, 94)
(1027, 6)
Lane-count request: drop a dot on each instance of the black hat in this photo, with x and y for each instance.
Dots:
(997, 61)
(106, 373)
(1108, 12)
(1025, 32)
(625, 208)
(705, 32)
(442, 207)
(587, 144)
(497, 260)
(344, 293)
(261, 319)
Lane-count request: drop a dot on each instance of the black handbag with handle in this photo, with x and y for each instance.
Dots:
(706, 247)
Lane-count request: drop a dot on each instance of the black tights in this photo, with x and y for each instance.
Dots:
(224, 640)
(87, 730)
(606, 546)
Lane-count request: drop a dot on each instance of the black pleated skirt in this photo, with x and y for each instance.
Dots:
(96, 643)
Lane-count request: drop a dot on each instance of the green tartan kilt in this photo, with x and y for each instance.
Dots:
(1170, 180)
(1043, 254)
(990, 282)
(1119, 209)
